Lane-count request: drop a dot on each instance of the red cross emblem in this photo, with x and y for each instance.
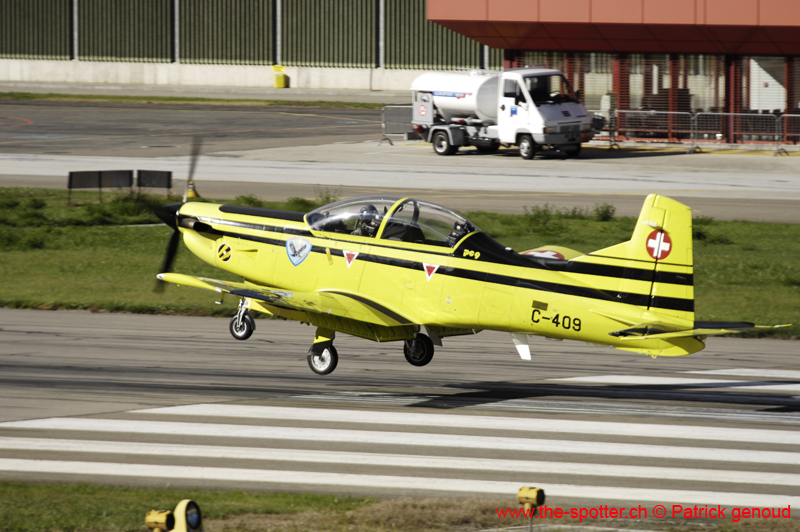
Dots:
(659, 244)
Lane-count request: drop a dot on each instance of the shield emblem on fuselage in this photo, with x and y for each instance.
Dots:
(298, 249)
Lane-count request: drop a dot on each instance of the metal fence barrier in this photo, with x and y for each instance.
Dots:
(654, 126)
(700, 128)
(396, 122)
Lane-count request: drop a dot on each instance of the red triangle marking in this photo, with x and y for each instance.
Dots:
(430, 269)
(350, 256)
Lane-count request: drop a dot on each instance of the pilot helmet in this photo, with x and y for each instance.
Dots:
(368, 220)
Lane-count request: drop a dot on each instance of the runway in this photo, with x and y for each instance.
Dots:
(157, 400)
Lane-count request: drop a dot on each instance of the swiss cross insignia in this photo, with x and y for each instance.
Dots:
(659, 244)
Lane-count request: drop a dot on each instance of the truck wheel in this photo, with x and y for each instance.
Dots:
(573, 151)
(441, 143)
(527, 148)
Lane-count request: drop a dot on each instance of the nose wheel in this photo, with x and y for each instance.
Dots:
(242, 325)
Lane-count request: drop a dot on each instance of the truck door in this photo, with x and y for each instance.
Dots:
(514, 108)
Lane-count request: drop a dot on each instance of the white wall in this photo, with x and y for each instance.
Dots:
(175, 74)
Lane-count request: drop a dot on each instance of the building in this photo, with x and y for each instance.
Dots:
(685, 62)
(703, 69)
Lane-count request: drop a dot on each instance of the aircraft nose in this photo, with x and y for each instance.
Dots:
(166, 213)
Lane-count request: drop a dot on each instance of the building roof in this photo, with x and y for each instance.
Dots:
(755, 27)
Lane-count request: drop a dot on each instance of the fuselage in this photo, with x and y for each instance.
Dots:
(408, 268)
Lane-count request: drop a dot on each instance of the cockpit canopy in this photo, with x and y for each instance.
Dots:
(392, 218)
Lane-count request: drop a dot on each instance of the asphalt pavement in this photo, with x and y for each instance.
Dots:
(150, 400)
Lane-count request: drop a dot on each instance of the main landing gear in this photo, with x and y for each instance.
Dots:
(418, 351)
(322, 357)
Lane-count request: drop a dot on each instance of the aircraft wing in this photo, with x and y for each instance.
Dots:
(701, 328)
(345, 305)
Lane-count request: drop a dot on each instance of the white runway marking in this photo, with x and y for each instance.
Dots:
(391, 482)
(401, 460)
(483, 422)
(405, 438)
(747, 372)
(740, 386)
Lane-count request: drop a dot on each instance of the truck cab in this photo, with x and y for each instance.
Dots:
(541, 103)
(528, 107)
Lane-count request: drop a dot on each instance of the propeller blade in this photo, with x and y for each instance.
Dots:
(169, 258)
(197, 145)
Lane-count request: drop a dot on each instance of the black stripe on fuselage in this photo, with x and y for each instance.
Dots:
(492, 251)
(644, 300)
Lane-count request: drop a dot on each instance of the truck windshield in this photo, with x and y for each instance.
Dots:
(549, 89)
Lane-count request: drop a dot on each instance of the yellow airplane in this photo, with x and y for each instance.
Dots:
(390, 269)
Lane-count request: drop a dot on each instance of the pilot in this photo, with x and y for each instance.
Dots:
(459, 230)
(368, 221)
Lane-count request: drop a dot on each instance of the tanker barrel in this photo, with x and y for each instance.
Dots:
(462, 94)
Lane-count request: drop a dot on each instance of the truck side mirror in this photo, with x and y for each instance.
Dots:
(578, 95)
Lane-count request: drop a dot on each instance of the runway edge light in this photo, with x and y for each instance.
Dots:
(185, 518)
(530, 498)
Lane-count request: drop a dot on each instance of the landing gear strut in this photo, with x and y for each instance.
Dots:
(242, 325)
(322, 357)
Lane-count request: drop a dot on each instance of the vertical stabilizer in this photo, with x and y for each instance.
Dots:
(661, 241)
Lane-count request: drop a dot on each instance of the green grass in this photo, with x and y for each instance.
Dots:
(36, 507)
(105, 257)
(30, 96)
(55, 507)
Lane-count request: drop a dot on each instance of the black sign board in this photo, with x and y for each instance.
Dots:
(83, 180)
(116, 178)
(100, 180)
(153, 179)
(103, 179)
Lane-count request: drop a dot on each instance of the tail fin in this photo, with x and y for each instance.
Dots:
(661, 242)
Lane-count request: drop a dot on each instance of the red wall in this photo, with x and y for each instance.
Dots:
(765, 27)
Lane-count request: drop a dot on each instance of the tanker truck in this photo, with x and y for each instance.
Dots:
(531, 108)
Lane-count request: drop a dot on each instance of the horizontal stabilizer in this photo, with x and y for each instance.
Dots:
(701, 328)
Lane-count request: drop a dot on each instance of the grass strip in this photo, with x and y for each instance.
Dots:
(29, 507)
(180, 100)
(40, 507)
(104, 257)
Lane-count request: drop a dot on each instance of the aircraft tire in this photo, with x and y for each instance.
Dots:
(418, 352)
(527, 148)
(244, 330)
(323, 363)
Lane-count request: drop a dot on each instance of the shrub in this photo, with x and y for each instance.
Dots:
(250, 200)
(604, 212)
(545, 220)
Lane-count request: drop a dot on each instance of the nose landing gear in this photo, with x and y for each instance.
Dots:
(242, 325)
